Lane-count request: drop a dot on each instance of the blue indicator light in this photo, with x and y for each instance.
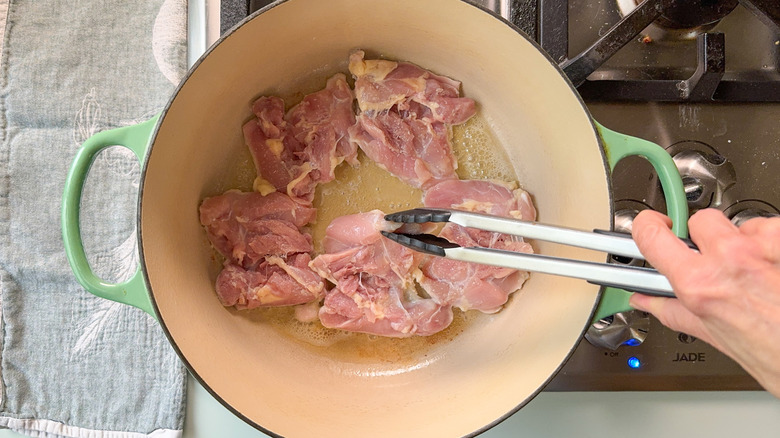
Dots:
(634, 362)
(632, 342)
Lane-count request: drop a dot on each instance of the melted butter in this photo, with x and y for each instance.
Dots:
(361, 348)
(361, 189)
(479, 154)
(241, 175)
(358, 190)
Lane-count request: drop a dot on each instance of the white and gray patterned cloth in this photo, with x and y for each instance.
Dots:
(72, 364)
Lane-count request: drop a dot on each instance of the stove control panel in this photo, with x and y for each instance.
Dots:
(664, 360)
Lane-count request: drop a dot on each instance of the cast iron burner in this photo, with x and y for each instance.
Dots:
(695, 13)
(683, 19)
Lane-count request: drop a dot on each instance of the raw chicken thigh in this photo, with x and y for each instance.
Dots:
(374, 290)
(267, 254)
(294, 152)
(260, 234)
(246, 227)
(381, 85)
(277, 281)
(406, 117)
(470, 285)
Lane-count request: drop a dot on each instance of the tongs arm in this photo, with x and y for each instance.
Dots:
(599, 240)
(638, 279)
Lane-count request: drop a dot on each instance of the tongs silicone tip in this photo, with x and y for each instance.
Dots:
(419, 216)
(425, 243)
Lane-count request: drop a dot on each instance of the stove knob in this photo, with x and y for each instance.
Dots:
(705, 177)
(625, 328)
(624, 221)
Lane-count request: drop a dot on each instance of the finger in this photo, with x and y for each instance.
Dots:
(658, 216)
(766, 232)
(753, 226)
(708, 227)
(671, 313)
(658, 244)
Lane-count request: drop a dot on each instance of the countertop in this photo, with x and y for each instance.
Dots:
(585, 415)
(595, 414)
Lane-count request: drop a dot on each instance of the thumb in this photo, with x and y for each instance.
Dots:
(672, 314)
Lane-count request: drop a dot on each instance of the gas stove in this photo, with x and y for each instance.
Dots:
(700, 78)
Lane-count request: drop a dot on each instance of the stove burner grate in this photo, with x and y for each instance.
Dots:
(706, 83)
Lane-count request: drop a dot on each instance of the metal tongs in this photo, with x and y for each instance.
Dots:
(646, 281)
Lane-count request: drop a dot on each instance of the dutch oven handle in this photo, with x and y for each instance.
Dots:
(618, 146)
(133, 291)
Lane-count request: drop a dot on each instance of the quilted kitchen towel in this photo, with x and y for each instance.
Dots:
(72, 364)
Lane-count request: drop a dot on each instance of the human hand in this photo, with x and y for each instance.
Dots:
(728, 293)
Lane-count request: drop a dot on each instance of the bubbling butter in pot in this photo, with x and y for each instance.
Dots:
(479, 154)
(360, 189)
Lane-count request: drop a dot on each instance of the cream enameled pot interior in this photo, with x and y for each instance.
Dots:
(461, 386)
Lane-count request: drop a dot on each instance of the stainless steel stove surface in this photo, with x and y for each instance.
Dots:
(703, 81)
(726, 144)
